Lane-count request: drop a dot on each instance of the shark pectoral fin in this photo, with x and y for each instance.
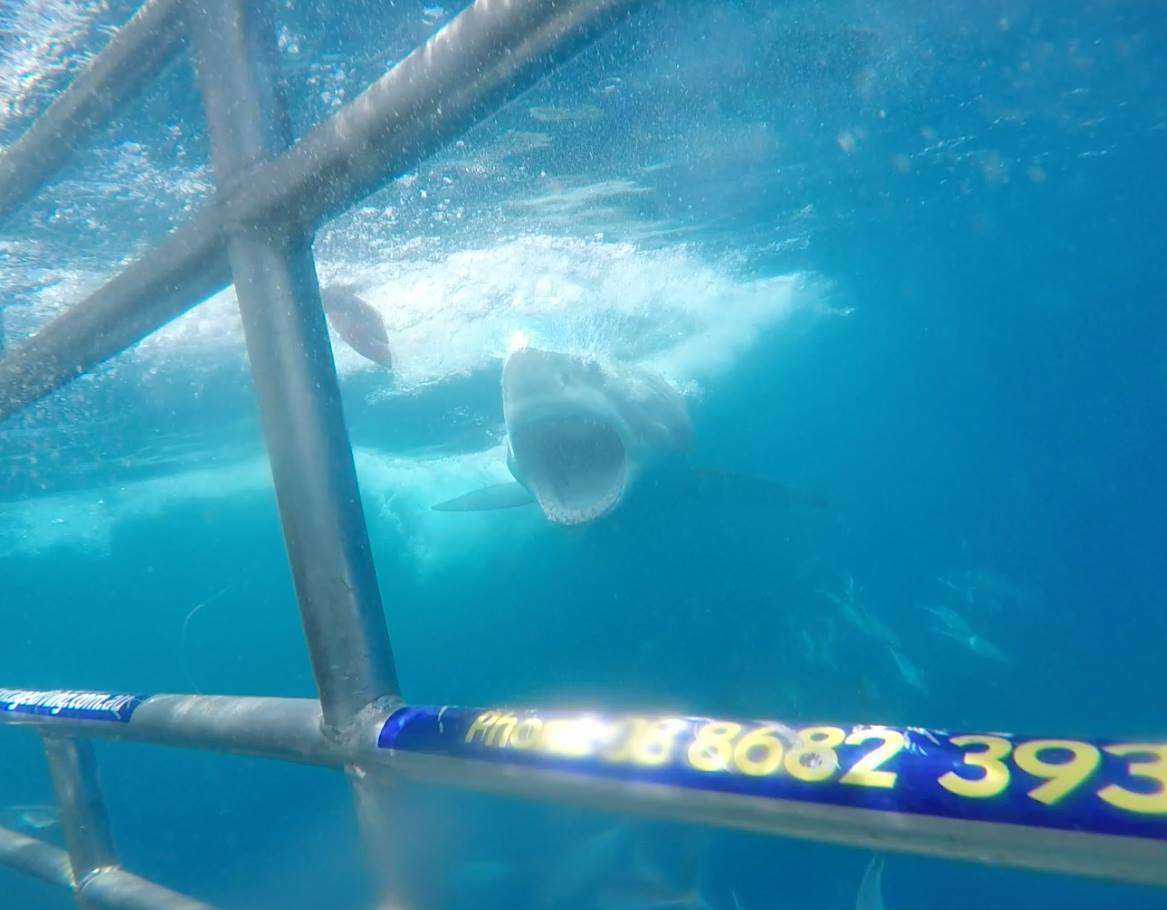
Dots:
(498, 496)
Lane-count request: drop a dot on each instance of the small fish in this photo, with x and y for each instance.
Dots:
(908, 671)
(954, 626)
(982, 647)
(952, 621)
(629, 867)
(870, 896)
(32, 817)
(989, 589)
(651, 898)
(551, 114)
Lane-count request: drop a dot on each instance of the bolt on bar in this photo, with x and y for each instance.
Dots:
(135, 55)
(1121, 837)
(485, 56)
(292, 369)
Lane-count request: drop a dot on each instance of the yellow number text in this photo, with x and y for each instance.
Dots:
(1155, 769)
(712, 747)
(865, 772)
(813, 757)
(995, 776)
(759, 752)
(1061, 777)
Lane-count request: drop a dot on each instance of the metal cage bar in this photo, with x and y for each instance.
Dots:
(292, 368)
(135, 55)
(262, 241)
(89, 867)
(36, 858)
(110, 887)
(295, 379)
(257, 231)
(486, 55)
(84, 820)
(288, 729)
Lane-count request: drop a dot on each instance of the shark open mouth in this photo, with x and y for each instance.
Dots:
(575, 465)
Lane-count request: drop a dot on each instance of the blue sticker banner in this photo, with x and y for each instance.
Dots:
(71, 704)
(1096, 786)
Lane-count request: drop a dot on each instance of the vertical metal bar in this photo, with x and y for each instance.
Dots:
(292, 367)
(84, 822)
(299, 394)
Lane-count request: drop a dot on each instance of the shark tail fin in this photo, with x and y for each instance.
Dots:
(498, 496)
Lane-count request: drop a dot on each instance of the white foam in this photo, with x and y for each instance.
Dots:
(666, 308)
(398, 493)
(39, 37)
(85, 520)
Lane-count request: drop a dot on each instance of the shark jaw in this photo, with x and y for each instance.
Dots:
(575, 465)
(578, 435)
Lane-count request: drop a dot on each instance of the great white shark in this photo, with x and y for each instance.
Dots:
(578, 435)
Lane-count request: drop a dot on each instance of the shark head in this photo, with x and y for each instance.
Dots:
(579, 432)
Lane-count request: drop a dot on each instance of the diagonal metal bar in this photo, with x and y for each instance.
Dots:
(488, 54)
(135, 55)
(189, 265)
(84, 821)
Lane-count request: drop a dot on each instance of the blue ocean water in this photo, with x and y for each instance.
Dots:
(904, 261)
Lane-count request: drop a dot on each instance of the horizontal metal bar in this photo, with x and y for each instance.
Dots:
(110, 887)
(289, 729)
(36, 858)
(139, 50)
(117, 889)
(487, 54)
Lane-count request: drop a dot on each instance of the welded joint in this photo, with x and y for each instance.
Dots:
(88, 877)
(354, 737)
(278, 227)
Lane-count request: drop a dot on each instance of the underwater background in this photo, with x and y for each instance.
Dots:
(904, 259)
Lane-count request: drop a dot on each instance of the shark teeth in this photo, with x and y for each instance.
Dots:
(575, 465)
